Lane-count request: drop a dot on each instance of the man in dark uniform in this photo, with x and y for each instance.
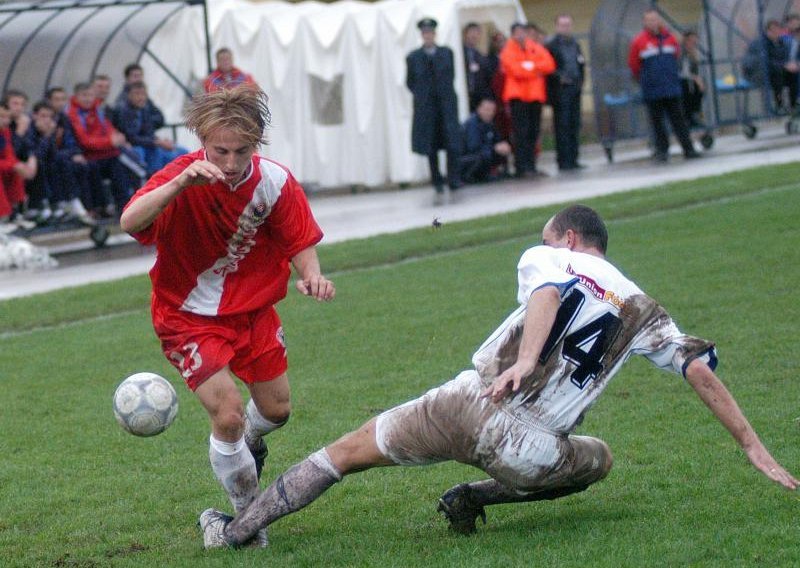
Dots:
(430, 79)
(564, 92)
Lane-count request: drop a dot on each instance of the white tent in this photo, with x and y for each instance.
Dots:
(335, 74)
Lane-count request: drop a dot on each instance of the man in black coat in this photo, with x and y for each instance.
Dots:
(430, 74)
(564, 92)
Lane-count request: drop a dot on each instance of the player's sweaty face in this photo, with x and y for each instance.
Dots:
(229, 152)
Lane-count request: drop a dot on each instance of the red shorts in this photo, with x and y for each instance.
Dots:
(251, 344)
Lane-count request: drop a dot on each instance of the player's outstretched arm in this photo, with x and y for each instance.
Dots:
(142, 212)
(714, 394)
(541, 312)
(312, 282)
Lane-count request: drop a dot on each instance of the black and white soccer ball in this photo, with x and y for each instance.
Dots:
(145, 404)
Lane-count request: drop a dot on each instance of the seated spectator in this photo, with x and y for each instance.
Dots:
(767, 59)
(20, 123)
(101, 85)
(135, 74)
(792, 41)
(136, 123)
(485, 154)
(12, 184)
(102, 146)
(76, 175)
(56, 174)
(226, 76)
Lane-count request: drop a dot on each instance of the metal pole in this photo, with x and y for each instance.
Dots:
(711, 62)
(208, 36)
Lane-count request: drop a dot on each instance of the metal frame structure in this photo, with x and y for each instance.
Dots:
(725, 29)
(141, 17)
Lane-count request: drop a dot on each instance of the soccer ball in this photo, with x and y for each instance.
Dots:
(145, 404)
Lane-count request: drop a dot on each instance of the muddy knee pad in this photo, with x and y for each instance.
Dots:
(591, 460)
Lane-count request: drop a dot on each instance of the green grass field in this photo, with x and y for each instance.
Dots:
(721, 254)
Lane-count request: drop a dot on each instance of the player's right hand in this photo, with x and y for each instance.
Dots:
(201, 172)
(507, 382)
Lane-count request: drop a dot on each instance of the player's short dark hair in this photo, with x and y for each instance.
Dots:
(40, 105)
(130, 68)
(49, 92)
(137, 85)
(9, 94)
(471, 26)
(100, 77)
(222, 50)
(585, 221)
(81, 86)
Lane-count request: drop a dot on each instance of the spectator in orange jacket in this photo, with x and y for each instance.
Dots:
(526, 64)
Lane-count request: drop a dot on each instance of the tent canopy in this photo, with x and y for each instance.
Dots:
(335, 73)
(50, 43)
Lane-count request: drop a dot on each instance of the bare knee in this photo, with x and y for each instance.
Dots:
(228, 422)
(276, 411)
(357, 450)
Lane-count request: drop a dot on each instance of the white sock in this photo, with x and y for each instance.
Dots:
(256, 425)
(234, 467)
(322, 460)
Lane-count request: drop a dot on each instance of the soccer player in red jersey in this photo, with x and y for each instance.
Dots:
(227, 223)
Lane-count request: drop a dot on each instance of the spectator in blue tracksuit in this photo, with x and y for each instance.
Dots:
(137, 122)
(767, 60)
(485, 152)
(654, 60)
(60, 185)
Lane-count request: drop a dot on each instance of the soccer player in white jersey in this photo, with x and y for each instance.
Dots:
(533, 379)
(227, 223)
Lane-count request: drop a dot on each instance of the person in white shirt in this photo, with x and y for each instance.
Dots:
(513, 414)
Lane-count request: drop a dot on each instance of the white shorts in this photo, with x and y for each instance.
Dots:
(452, 422)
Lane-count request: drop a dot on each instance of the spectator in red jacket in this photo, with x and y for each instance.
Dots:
(526, 64)
(226, 76)
(102, 145)
(653, 59)
(12, 185)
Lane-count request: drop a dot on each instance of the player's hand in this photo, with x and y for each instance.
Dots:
(201, 172)
(316, 286)
(767, 465)
(118, 139)
(507, 382)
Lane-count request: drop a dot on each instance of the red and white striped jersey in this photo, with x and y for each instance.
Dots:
(225, 250)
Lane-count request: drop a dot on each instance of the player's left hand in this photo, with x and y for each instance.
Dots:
(316, 286)
(766, 464)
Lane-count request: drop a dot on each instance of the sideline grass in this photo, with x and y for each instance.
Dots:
(720, 254)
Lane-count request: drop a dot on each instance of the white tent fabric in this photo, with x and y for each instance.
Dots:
(335, 74)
